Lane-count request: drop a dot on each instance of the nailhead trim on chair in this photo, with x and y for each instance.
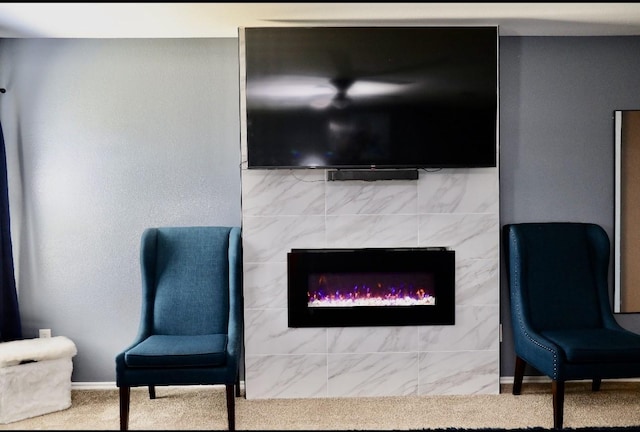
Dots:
(520, 322)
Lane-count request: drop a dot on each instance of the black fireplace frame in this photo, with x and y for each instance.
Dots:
(438, 261)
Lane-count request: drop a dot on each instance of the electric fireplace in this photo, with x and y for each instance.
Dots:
(371, 287)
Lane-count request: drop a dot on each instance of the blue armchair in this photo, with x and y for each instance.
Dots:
(191, 324)
(562, 321)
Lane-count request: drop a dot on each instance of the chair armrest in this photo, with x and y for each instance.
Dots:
(235, 294)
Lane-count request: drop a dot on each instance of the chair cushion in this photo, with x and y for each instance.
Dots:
(179, 351)
(596, 345)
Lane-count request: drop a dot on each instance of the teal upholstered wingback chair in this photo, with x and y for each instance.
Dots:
(560, 308)
(190, 330)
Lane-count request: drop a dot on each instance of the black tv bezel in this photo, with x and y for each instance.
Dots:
(439, 261)
(489, 160)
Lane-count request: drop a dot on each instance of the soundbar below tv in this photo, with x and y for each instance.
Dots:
(371, 97)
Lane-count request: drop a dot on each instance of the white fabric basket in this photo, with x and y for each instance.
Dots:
(35, 377)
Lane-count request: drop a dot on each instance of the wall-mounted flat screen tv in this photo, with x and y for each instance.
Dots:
(370, 97)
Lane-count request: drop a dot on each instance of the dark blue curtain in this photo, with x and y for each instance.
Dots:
(9, 313)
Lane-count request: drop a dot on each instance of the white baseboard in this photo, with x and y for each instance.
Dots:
(107, 385)
(545, 379)
(111, 385)
(526, 379)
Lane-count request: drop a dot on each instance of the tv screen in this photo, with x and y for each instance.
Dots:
(371, 97)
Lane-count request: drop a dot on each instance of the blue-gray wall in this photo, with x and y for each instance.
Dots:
(557, 97)
(108, 136)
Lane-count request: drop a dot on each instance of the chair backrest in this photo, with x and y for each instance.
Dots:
(558, 274)
(185, 273)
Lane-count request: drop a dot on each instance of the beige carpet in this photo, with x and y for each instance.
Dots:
(193, 408)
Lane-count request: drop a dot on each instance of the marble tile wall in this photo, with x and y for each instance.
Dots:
(285, 209)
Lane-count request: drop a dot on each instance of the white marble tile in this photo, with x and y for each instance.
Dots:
(477, 282)
(372, 231)
(284, 210)
(283, 192)
(265, 285)
(459, 191)
(243, 156)
(281, 377)
(267, 332)
(459, 373)
(372, 374)
(471, 236)
(372, 339)
(476, 328)
(270, 238)
(367, 198)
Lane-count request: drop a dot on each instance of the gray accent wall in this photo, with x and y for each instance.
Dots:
(557, 98)
(108, 136)
(104, 138)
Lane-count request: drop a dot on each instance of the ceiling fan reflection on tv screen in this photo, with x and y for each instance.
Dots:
(370, 97)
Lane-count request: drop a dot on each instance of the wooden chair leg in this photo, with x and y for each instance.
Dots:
(595, 385)
(231, 407)
(557, 387)
(125, 393)
(518, 376)
(152, 392)
(238, 386)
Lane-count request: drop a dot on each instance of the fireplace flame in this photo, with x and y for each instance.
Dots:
(379, 293)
